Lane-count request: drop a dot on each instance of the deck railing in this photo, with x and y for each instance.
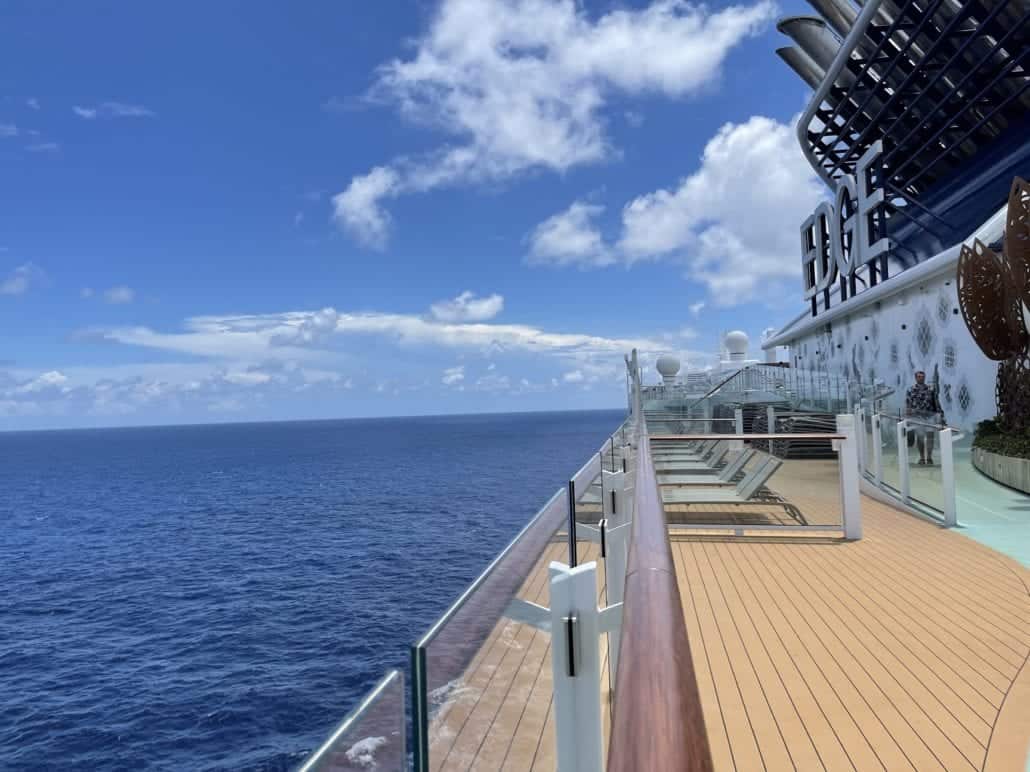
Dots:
(657, 723)
(888, 463)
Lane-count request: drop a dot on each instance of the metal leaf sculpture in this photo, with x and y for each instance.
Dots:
(989, 302)
(994, 295)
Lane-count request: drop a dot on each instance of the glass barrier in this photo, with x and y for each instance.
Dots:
(753, 492)
(890, 476)
(926, 484)
(372, 736)
(481, 676)
(869, 459)
(479, 654)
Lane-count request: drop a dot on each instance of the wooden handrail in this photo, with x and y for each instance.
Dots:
(657, 724)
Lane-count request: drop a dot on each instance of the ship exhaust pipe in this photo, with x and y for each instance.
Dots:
(803, 64)
(839, 14)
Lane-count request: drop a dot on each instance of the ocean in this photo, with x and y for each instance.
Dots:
(217, 597)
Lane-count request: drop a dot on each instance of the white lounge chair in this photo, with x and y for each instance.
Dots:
(709, 476)
(743, 493)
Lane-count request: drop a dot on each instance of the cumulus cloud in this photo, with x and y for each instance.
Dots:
(358, 208)
(8, 130)
(119, 295)
(696, 308)
(522, 85)
(21, 279)
(315, 328)
(453, 375)
(466, 307)
(112, 110)
(725, 222)
(571, 238)
(573, 376)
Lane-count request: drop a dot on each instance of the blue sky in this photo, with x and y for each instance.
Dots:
(250, 211)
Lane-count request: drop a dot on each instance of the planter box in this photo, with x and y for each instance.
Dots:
(1013, 472)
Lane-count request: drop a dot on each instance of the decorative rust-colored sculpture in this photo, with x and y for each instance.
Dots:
(994, 295)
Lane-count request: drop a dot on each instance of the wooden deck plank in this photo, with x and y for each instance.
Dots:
(944, 735)
(715, 726)
(742, 739)
(899, 650)
(798, 750)
(929, 614)
(824, 738)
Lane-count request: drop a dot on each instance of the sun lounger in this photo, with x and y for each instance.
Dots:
(709, 476)
(743, 493)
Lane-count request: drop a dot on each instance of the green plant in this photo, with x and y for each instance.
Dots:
(990, 437)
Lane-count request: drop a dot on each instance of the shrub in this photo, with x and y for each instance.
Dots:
(991, 438)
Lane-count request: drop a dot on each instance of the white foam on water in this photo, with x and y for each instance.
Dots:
(363, 752)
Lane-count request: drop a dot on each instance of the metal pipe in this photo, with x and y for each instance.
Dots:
(839, 14)
(803, 64)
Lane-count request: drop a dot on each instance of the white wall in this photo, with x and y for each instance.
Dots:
(914, 329)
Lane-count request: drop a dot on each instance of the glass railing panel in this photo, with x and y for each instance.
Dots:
(889, 451)
(868, 446)
(795, 487)
(484, 662)
(372, 736)
(925, 481)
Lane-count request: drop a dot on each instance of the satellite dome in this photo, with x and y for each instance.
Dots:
(667, 366)
(736, 343)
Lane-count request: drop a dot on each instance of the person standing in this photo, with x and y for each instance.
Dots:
(921, 404)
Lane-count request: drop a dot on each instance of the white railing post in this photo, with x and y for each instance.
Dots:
(850, 497)
(708, 417)
(903, 482)
(877, 450)
(948, 477)
(738, 425)
(770, 419)
(615, 560)
(576, 627)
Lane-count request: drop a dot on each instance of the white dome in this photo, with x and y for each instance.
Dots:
(736, 343)
(667, 366)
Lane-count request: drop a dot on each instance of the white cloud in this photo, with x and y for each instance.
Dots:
(43, 147)
(119, 295)
(316, 328)
(570, 238)
(522, 84)
(292, 335)
(112, 110)
(728, 218)
(453, 375)
(48, 381)
(725, 222)
(33, 103)
(696, 308)
(21, 279)
(8, 130)
(358, 210)
(468, 308)
(573, 376)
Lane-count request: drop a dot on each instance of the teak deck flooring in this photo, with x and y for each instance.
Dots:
(905, 650)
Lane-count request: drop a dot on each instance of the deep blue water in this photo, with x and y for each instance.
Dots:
(217, 597)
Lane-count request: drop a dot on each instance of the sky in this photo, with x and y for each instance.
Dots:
(243, 211)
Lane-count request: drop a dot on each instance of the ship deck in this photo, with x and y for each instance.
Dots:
(905, 649)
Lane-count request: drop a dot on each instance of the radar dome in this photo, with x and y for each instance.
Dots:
(736, 344)
(667, 366)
